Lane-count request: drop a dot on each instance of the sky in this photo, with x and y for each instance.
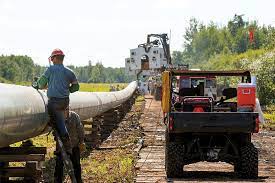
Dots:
(106, 30)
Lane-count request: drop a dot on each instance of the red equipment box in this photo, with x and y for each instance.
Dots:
(246, 95)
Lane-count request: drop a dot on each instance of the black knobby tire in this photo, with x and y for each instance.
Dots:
(237, 166)
(248, 166)
(174, 159)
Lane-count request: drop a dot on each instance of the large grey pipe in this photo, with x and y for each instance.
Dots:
(23, 110)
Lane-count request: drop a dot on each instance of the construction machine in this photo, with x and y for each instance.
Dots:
(148, 61)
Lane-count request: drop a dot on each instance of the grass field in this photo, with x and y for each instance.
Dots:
(269, 116)
(85, 87)
(100, 87)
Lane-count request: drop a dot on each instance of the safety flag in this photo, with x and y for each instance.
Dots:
(251, 35)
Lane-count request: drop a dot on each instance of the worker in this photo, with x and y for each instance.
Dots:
(117, 88)
(76, 133)
(200, 89)
(61, 82)
(112, 88)
(149, 87)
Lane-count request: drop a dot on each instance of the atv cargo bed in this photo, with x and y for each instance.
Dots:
(230, 122)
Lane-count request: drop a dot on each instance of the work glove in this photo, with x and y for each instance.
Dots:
(35, 83)
(82, 148)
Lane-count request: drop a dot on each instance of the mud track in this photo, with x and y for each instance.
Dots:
(150, 164)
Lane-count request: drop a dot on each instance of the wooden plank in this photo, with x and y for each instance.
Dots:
(23, 150)
(19, 172)
(22, 158)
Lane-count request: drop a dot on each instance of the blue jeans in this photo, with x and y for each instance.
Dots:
(56, 109)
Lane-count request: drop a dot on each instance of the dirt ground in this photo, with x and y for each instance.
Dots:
(150, 163)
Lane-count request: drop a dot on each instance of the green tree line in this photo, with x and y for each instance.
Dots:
(201, 42)
(18, 68)
(99, 74)
(230, 47)
(15, 69)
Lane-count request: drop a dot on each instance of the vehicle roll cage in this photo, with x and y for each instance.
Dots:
(246, 77)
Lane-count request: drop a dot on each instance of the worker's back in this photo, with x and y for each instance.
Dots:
(59, 80)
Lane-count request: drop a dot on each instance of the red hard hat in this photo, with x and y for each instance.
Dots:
(56, 52)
